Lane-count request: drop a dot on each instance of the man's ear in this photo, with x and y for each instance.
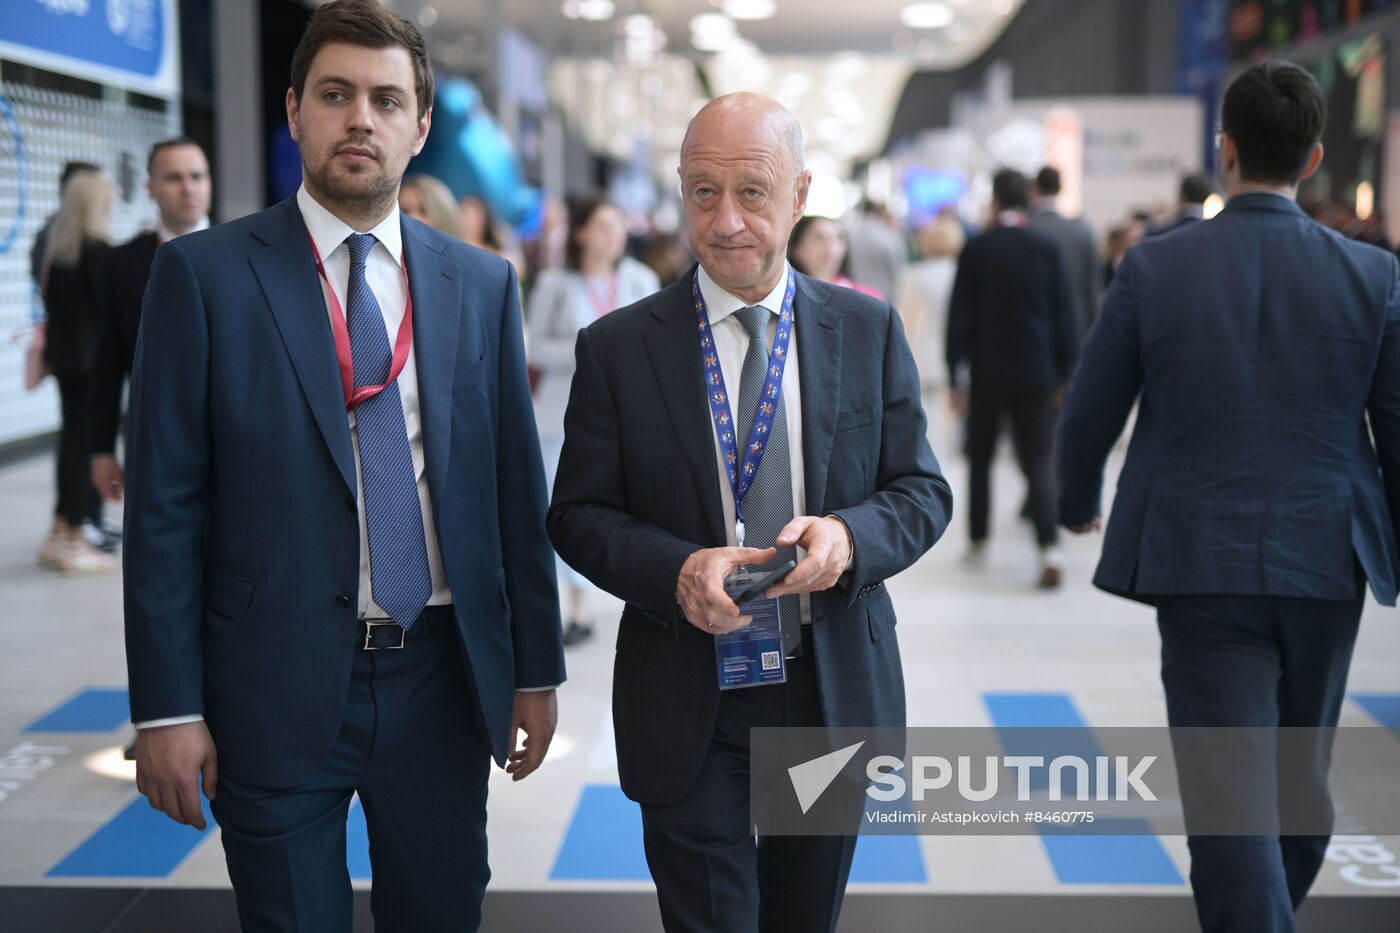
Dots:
(293, 111)
(1314, 162)
(423, 126)
(804, 187)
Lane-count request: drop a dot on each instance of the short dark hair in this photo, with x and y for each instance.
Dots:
(168, 144)
(367, 23)
(1047, 181)
(1011, 190)
(1195, 189)
(581, 211)
(74, 168)
(1275, 113)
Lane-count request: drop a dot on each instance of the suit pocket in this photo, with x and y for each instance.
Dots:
(858, 417)
(880, 612)
(227, 596)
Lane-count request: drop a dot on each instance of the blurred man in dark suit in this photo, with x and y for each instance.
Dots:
(1254, 504)
(1076, 241)
(1191, 204)
(1013, 336)
(178, 182)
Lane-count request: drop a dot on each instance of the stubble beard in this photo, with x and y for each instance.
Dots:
(368, 194)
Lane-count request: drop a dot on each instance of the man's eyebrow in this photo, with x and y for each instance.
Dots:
(378, 88)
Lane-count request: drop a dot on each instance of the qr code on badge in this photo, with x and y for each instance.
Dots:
(769, 660)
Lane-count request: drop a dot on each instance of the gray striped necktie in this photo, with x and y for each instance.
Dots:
(768, 503)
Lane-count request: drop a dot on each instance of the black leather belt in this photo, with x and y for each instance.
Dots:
(380, 634)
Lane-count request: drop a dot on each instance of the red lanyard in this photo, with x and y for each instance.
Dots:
(605, 302)
(355, 397)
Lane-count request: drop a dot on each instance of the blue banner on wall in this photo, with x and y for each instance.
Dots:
(123, 42)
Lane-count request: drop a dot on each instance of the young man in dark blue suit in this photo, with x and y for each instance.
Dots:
(1254, 504)
(337, 575)
(644, 507)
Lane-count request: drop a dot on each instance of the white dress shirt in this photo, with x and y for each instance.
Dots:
(384, 273)
(165, 235)
(731, 344)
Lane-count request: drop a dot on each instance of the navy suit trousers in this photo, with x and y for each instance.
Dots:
(1257, 661)
(711, 876)
(410, 745)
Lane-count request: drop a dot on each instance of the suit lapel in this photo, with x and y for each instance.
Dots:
(819, 376)
(437, 314)
(673, 344)
(287, 273)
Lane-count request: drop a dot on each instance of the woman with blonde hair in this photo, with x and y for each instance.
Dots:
(70, 283)
(424, 198)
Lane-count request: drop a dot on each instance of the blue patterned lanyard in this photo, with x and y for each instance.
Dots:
(740, 480)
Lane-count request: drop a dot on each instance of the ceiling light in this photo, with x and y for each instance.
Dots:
(750, 9)
(926, 15)
(592, 10)
(711, 24)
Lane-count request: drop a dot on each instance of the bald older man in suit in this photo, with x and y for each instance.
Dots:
(645, 507)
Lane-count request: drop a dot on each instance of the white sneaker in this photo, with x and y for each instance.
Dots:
(976, 556)
(79, 557)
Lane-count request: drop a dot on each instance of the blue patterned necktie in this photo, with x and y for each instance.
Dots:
(768, 503)
(400, 581)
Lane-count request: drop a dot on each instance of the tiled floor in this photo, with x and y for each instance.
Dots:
(70, 816)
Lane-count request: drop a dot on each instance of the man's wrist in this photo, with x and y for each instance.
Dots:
(850, 542)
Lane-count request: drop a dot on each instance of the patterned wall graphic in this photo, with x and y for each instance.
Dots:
(39, 131)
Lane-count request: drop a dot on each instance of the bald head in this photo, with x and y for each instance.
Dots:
(743, 186)
(747, 120)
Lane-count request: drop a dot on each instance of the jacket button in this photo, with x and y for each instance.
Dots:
(342, 601)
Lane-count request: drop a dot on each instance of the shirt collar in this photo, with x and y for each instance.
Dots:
(165, 235)
(1273, 191)
(719, 304)
(328, 231)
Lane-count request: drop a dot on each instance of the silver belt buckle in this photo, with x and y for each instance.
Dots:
(371, 625)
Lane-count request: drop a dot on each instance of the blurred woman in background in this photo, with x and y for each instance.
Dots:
(818, 248)
(479, 229)
(597, 277)
(924, 290)
(424, 198)
(70, 282)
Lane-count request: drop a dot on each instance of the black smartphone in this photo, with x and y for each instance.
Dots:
(760, 586)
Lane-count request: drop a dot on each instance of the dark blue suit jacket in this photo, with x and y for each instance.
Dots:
(638, 490)
(1259, 342)
(242, 542)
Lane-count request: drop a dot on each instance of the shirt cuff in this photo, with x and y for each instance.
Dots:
(535, 689)
(172, 721)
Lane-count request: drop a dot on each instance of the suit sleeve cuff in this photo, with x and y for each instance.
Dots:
(172, 721)
(536, 689)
